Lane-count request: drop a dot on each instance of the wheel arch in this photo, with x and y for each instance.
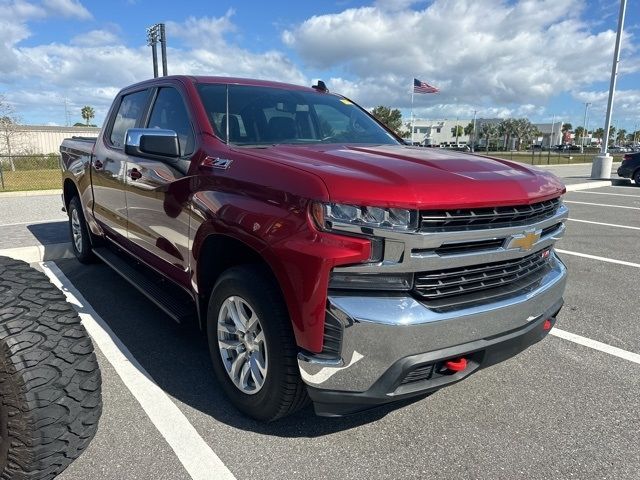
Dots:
(218, 253)
(69, 190)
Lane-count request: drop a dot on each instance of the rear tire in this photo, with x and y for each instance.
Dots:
(81, 239)
(636, 177)
(50, 385)
(278, 393)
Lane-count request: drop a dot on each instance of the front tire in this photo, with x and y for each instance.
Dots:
(79, 231)
(252, 345)
(636, 177)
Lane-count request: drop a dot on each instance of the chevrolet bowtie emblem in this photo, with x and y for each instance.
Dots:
(524, 241)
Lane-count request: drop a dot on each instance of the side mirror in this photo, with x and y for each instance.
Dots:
(152, 143)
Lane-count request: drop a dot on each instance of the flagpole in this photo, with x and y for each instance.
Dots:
(412, 89)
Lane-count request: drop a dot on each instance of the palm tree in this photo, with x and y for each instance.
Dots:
(87, 113)
(622, 134)
(579, 133)
(524, 130)
(468, 130)
(506, 129)
(599, 133)
(488, 131)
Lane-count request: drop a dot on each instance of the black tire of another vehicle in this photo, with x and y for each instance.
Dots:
(50, 384)
(81, 238)
(283, 391)
(636, 177)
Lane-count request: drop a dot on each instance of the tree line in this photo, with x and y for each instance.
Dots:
(520, 130)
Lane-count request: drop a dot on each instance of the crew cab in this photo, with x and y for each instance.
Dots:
(324, 259)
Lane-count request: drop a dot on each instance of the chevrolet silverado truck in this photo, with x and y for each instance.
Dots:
(323, 258)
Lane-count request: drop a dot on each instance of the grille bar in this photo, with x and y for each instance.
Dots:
(458, 285)
(479, 218)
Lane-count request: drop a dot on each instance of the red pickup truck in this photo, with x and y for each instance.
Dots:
(324, 259)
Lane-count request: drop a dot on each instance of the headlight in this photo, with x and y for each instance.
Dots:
(327, 215)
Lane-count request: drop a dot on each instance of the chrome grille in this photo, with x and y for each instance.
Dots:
(494, 217)
(455, 287)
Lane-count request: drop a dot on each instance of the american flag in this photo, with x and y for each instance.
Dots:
(423, 87)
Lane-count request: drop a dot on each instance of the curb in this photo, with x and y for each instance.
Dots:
(39, 253)
(30, 193)
(588, 185)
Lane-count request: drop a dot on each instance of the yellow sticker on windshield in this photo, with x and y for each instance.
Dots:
(345, 101)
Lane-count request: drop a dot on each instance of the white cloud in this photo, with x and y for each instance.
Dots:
(94, 66)
(203, 31)
(476, 51)
(67, 8)
(95, 38)
(625, 105)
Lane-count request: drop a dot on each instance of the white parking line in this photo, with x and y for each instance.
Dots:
(606, 193)
(602, 347)
(602, 205)
(604, 224)
(602, 259)
(196, 456)
(37, 222)
(574, 187)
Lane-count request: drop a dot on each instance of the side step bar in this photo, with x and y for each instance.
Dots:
(169, 298)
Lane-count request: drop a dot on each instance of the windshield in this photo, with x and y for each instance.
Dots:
(267, 116)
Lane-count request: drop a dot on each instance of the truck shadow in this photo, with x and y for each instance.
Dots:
(50, 232)
(177, 357)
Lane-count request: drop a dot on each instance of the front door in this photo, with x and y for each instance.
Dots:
(157, 192)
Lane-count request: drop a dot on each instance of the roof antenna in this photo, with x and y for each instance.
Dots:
(320, 86)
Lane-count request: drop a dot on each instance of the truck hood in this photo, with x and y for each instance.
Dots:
(415, 177)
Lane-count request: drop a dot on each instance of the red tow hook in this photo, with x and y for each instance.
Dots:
(546, 325)
(456, 365)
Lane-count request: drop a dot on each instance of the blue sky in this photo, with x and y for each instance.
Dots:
(533, 58)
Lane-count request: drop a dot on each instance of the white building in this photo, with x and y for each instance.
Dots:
(550, 134)
(41, 139)
(439, 132)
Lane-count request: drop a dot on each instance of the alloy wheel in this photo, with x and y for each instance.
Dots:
(242, 345)
(76, 230)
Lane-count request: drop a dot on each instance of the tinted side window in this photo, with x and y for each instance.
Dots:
(129, 113)
(170, 113)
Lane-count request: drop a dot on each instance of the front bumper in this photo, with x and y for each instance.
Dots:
(386, 338)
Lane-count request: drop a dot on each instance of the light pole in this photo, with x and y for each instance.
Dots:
(473, 144)
(584, 126)
(601, 167)
(156, 33)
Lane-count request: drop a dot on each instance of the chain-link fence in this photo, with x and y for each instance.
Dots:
(546, 157)
(30, 172)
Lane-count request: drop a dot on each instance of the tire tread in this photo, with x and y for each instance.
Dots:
(49, 376)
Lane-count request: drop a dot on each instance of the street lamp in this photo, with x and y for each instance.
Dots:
(473, 144)
(601, 167)
(584, 126)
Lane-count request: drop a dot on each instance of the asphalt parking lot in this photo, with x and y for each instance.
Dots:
(559, 410)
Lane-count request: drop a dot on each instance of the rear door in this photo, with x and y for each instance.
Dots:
(157, 192)
(108, 167)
